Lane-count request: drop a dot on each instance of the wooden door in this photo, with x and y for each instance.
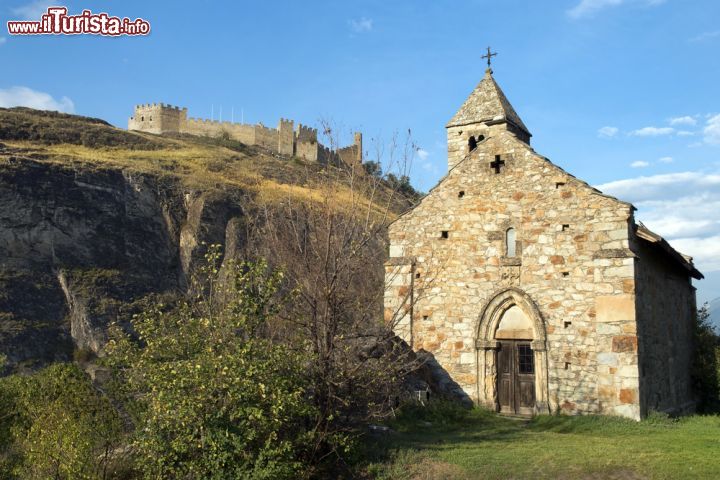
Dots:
(516, 378)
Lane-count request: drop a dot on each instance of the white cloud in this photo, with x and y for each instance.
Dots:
(683, 207)
(652, 131)
(607, 132)
(361, 25)
(33, 10)
(711, 132)
(27, 97)
(685, 133)
(666, 160)
(422, 154)
(588, 8)
(705, 36)
(640, 164)
(686, 120)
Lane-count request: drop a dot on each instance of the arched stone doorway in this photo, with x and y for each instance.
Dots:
(512, 355)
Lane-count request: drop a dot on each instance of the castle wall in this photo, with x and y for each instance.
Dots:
(266, 137)
(209, 128)
(163, 119)
(308, 151)
(573, 262)
(353, 154)
(666, 310)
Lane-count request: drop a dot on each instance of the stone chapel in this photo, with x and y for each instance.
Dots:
(533, 292)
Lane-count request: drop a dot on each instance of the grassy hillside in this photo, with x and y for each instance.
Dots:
(199, 162)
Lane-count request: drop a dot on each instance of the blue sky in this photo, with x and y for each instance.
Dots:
(621, 93)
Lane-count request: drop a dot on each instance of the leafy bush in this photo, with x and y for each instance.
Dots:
(54, 424)
(216, 399)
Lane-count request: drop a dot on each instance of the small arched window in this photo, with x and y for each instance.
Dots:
(510, 241)
(142, 119)
(472, 144)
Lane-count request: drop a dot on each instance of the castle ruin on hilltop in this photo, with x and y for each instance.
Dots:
(302, 142)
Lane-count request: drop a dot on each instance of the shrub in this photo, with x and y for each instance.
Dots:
(55, 425)
(216, 398)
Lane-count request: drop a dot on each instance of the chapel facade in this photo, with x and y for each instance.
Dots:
(533, 292)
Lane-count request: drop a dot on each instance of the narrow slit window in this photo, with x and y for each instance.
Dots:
(444, 234)
(510, 240)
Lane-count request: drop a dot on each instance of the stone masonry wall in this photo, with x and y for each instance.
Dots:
(161, 119)
(665, 308)
(573, 261)
(209, 128)
(157, 118)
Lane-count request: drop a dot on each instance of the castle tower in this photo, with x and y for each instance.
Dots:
(306, 146)
(286, 137)
(158, 118)
(486, 110)
(359, 147)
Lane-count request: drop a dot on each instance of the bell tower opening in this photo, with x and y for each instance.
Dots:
(472, 144)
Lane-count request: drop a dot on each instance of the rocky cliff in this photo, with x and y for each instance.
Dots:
(94, 219)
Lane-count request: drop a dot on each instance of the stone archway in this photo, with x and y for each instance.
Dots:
(518, 304)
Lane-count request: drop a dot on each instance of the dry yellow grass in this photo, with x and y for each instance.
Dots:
(205, 166)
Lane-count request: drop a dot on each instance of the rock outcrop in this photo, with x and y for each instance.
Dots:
(78, 246)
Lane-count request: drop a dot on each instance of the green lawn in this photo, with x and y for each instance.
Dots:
(479, 444)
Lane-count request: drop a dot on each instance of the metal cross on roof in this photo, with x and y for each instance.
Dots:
(489, 56)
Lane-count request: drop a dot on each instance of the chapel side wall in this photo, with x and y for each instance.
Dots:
(666, 309)
(574, 275)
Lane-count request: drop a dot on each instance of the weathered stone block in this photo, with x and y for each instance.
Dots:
(624, 343)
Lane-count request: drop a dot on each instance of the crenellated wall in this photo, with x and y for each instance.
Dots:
(159, 118)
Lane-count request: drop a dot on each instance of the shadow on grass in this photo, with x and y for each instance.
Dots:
(439, 426)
